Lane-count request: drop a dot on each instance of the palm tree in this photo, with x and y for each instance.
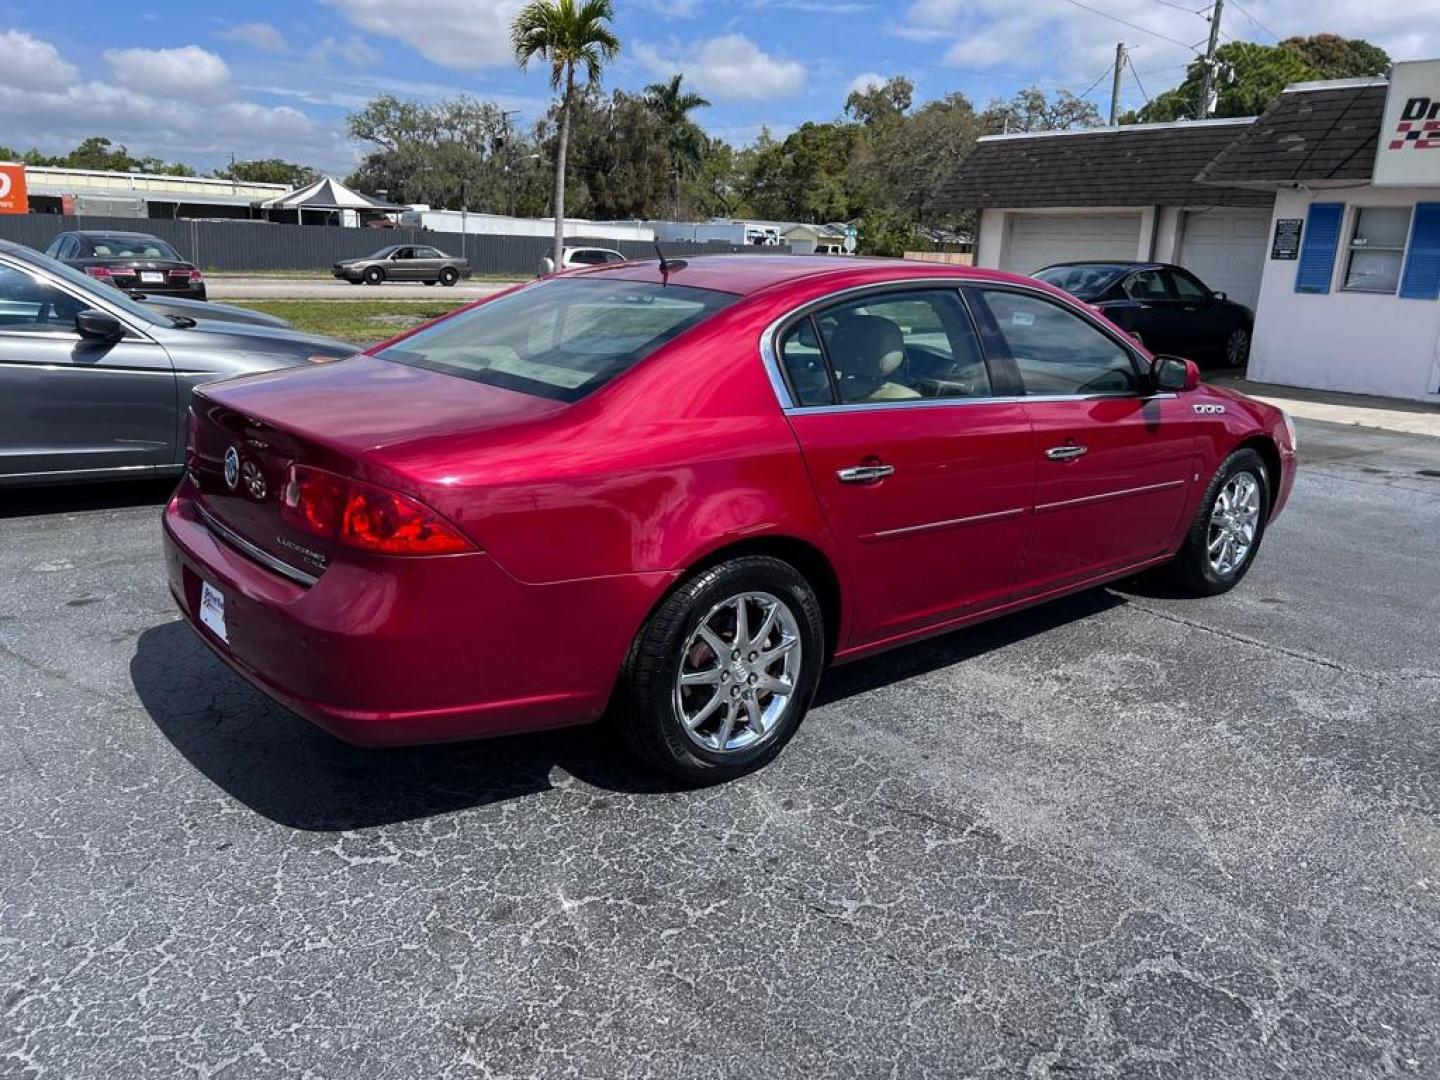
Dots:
(569, 34)
(686, 140)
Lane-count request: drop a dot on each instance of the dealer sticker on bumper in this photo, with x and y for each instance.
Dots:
(212, 610)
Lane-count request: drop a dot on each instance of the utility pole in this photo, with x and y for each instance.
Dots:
(1115, 86)
(1215, 11)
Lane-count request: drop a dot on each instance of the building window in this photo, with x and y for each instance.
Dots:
(1377, 249)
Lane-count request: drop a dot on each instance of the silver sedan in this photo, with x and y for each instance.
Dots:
(94, 385)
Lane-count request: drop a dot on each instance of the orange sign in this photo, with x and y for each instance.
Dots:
(13, 197)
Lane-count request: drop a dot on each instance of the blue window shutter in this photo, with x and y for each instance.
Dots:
(1421, 280)
(1317, 250)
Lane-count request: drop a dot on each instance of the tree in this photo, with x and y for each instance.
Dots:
(457, 152)
(1258, 73)
(686, 142)
(1031, 110)
(568, 34)
(618, 163)
(886, 103)
(269, 171)
(1332, 57)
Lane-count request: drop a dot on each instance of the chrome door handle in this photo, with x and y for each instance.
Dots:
(864, 474)
(1068, 452)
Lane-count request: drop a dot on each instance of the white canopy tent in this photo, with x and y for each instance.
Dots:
(328, 196)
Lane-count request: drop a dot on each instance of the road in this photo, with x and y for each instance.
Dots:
(1124, 835)
(278, 288)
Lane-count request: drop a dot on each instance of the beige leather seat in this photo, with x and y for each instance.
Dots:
(865, 351)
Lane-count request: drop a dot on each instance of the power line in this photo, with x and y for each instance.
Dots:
(1182, 7)
(1096, 83)
(1127, 22)
(1256, 21)
(1138, 83)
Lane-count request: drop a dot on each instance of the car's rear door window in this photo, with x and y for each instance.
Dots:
(562, 338)
(888, 347)
(1056, 351)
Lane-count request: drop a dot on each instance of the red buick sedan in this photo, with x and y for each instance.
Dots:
(673, 494)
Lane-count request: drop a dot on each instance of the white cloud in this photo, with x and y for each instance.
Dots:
(727, 68)
(30, 63)
(863, 84)
(190, 72)
(53, 114)
(259, 35)
(1053, 42)
(354, 50)
(458, 34)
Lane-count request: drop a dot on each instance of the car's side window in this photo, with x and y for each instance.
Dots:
(1056, 351)
(804, 363)
(405, 253)
(902, 346)
(29, 304)
(1186, 287)
(1146, 285)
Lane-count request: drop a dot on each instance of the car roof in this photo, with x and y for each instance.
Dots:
(747, 274)
(1116, 264)
(115, 232)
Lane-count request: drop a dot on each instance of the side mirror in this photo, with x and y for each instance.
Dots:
(1218, 297)
(1174, 373)
(96, 325)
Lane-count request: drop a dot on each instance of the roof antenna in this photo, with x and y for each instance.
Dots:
(667, 265)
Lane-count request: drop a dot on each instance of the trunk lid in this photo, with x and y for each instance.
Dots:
(343, 417)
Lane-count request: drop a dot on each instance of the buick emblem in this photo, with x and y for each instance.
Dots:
(232, 468)
(254, 480)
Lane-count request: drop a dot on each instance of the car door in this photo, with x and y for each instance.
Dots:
(924, 474)
(404, 265)
(1203, 323)
(68, 404)
(427, 263)
(1114, 461)
(1152, 315)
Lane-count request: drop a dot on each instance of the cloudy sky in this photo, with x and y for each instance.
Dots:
(199, 82)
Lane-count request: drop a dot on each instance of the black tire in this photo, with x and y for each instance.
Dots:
(449, 276)
(1236, 353)
(374, 275)
(645, 706)
(1192, 568)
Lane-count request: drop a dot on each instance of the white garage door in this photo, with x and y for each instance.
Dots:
(1038, 240)
(1226, 250)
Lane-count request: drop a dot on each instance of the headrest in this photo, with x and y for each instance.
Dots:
(866, 347)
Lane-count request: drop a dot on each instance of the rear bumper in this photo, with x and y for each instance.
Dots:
(388, 652)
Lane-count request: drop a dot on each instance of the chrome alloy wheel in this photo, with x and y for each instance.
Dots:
(738, 672)
(1234, 520)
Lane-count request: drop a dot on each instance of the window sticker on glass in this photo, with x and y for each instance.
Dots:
(1022, 318)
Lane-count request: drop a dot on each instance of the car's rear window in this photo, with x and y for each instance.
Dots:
(132, 247)
(1083, 282)
(560, 339)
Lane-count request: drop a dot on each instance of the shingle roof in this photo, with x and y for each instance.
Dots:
(1310, 133)
(1137, 165)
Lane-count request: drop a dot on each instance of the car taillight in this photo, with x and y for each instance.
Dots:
(366, 516)
(192, 275)
(101, 272)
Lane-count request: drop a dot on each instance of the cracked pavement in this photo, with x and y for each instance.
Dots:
(1122, 835)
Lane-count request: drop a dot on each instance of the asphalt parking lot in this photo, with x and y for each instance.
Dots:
(1123, 835)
